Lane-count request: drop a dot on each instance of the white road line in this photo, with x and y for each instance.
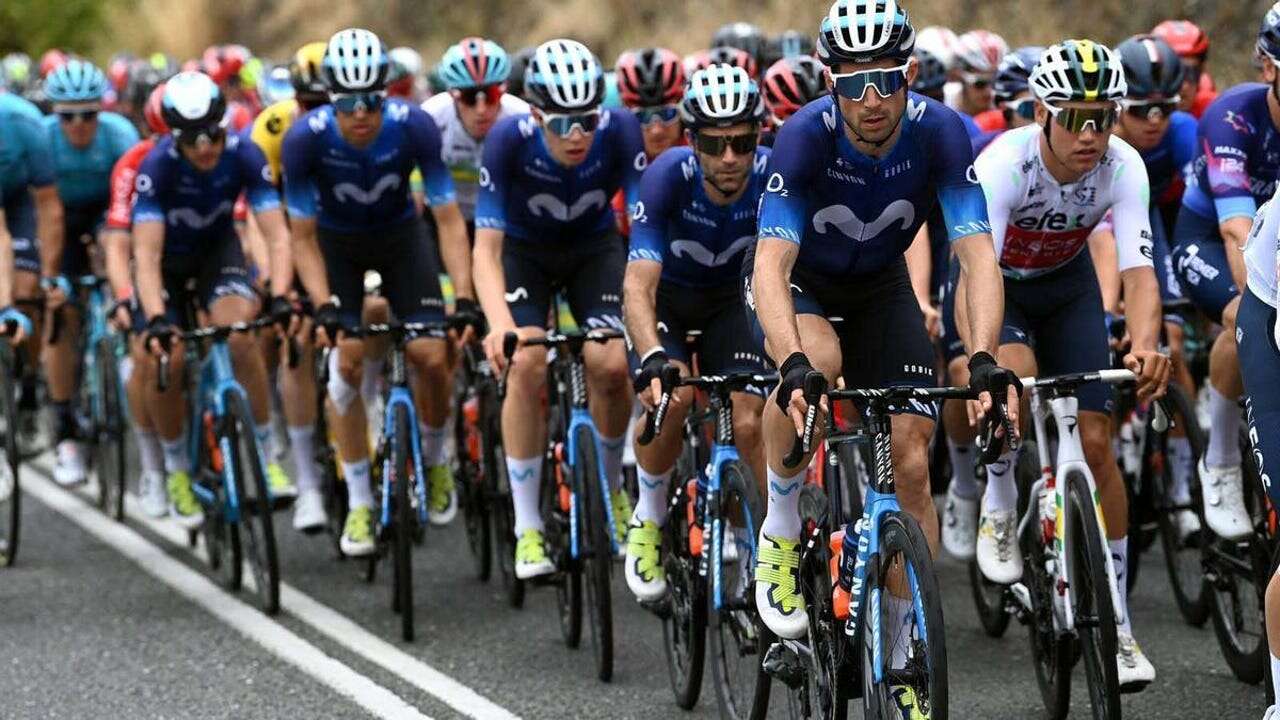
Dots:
(342, 630)
(246, 620)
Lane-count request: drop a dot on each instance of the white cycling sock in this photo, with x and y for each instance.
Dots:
(176, 458)
(962, 477)
(1224, 435)
(782, 517)
(150, 454)
(652, 505)
(1120, 558)
(613, 449)
(1002, 487)
(359, 491)
(1275, 676)
(432, 445)
(526, 482)
(1180, 469)
(302, 444)
(371, 378)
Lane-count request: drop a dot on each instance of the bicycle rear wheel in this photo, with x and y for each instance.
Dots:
(222, 539)
(737, 636)
(914, 647)
(1182, 555)
(10, 487)
(247, 470)
(497, 487)
(598, 550)
(109, 436)
(1090, 594)
(684, 625)
(1051, 651)
(403, 519)
(824, 693)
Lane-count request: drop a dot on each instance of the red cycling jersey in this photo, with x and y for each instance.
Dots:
(120, 212)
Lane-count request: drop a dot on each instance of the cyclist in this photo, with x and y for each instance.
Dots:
(978, 55)
(694, 221)
(1047, 186)
(346, 174)
(9, 315)
(1192, 45)
(851, 179)
(650, 84)
(543, 223)
(941, 42)
(85, 142)
(1259, 340)
(790, 84)
(297, 384)
(1235, 170)
(183, 232)
(745, 37)
(117, 251)
(1014, 104)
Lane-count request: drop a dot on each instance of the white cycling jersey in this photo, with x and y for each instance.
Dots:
(1262, 252)
(462, 153)
(1040, 225)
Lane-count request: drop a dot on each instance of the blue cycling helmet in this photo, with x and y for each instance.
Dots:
(75, 81)
(474, 62)
(355, 61)
(564, 76)
(1269, 34)
(863, 31)
(1013, 77)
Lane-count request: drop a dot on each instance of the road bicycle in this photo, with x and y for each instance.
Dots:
(10, 458)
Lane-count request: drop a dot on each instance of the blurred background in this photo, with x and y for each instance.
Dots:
(275, 28)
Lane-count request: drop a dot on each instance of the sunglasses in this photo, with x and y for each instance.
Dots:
(70, 116)
(348, 103)
(1024, 108)
(715, 145)
(665, 114)
(470, 96)
(886, 81)
(1077, 120)
(563, 124)
(203, 136)
(981, 82)
(1152, 110)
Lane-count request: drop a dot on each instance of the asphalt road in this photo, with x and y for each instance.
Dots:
(101, 620)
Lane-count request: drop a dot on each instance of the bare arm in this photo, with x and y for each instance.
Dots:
(920, 265)
(639, 305)
(255, 247)
(307, 260)
(148, 245)
(1142, 307)
(771, 287)
(984, 292)
(1102, 246)
(455, 249)
(279, 251)
(1234, 232)
(116, 250)
(490, 280)
(6, 264)
(49, 228)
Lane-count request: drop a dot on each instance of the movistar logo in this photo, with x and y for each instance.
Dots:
(700, 254)
(194, 220)
(350, 192)
(850, 225)
(552, 206)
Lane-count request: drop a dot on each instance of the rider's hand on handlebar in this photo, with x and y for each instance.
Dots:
(15, 324)
(986, 377)
(467, 310)
(160, 334)
(57, 291)
(284, 312)
(648, 384)
(493, 346)
(1152, 369)
(790, 394)
(328, 326)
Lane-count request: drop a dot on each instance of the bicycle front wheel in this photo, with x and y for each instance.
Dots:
(472, 495)
(108, 428)
(401, 476)
(10, 488)
(1090, 594)
(914, 652)
(684, 625)
(598, 551)
(497, 488)
(247, 471)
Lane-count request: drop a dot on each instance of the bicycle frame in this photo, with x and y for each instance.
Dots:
(579, 417)
(216, 383)
(399, 395)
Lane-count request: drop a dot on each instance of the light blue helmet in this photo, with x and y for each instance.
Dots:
(75, 81)
(474, 62)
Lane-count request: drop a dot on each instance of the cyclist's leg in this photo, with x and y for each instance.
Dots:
(298, 400)
(729, 346)
(142, 372)
(168, 408)
(1178, 447)
(960, 514)
(61, 359)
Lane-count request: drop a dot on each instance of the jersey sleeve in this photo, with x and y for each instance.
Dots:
(1225, 141)
(631, 140)
(428, 151)
(259, 181)
(1130, 213)
(650, 212)
(501, 148)
(964, 206)
(299, 183)
(123, 175)
(35, 146)
(148, 206)
(791, 169)
(998, 193)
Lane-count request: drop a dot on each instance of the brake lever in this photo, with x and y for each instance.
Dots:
(653, 420)
(815, 386)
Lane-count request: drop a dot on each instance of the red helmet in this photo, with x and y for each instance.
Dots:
(1185, 37)
(52, 60)
(151, 111)
(649, 77)
(720, 55)
(223, 62)
(791, 83)
(118, 71)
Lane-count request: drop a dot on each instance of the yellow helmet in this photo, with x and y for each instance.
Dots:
(304, 71)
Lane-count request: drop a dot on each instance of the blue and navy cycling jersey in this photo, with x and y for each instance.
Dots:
(1237, 158)
(349, 189)
(526, 194)
(1168, 161)
(25, 160)
(852, 214)
(84, 174)
(10, 102)
(196, 207)
(700, 244)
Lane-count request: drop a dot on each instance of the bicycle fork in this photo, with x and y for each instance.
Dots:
(400, 396)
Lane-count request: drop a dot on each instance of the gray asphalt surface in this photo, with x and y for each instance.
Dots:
(89, 634)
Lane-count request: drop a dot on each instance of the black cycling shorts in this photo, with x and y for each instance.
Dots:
(401, 255)
(80, 230)
(588, 271)
(201, 278)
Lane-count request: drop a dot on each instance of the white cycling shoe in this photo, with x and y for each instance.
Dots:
(152, 494)
(960, 525)
(1135, 671)
(1223, 491)
(69, 468)
(999, 557)
(1273, 713)
(308, 512)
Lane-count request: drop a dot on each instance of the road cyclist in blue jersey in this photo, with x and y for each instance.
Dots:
(85, 141)
(346, 177)
(187, 252)
(544, 224)
(690, 230)
(851, 179)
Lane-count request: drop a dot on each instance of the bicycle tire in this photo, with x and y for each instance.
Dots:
(598, 565)
(735, 630)
(824, 693)
(900, 536)
(568, 578)
(989, 597)
(1091, 599)
(684, 625)
(403, 519)
(473, 495)
(498, 487)
(1238, 594)
(222, 541)
(1052, 654)
(255, 505)
(10, 506)
(1182, 557)
(109, 435)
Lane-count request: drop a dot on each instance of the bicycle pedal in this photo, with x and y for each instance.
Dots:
(783, 664)
(1133, 688)
(660, 607)
(1018, 601)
